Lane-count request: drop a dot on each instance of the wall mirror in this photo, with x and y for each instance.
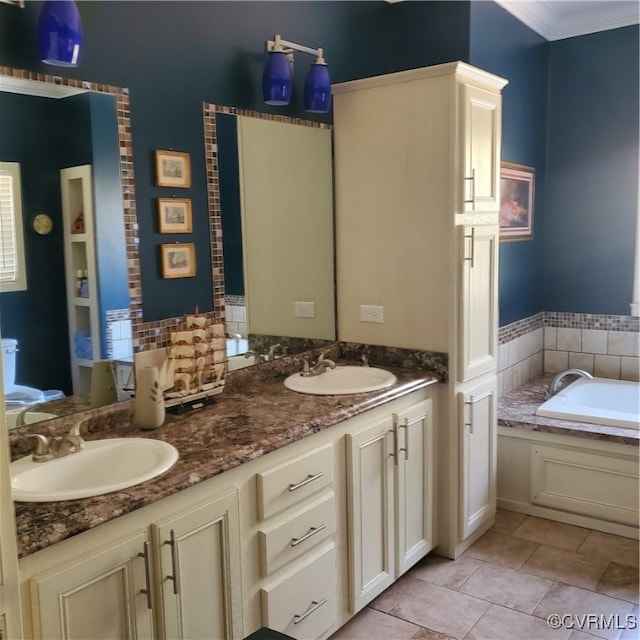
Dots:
(271, 176)
(50, 124)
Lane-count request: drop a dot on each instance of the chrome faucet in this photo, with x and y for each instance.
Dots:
(272, 351)
(319, 367)
(57, 447)
(554, 387)
(257, 357)
(21, 418)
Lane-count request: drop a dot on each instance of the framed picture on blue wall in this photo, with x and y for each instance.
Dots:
(517, 194)
(173, 169)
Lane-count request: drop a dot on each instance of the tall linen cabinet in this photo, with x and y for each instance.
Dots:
(417, 177)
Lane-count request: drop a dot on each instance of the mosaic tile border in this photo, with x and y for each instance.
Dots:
(605, 322)
(126, 175)
(238, 301)
(520, 328)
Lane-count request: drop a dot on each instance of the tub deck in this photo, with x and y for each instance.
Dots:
(518, 411)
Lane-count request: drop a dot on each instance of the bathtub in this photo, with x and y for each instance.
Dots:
(597, 401)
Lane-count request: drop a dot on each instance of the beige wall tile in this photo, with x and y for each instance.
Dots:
(581, 361)
(623, 343)
(629, 368)
(594, 341)
(550, 338)
(607, 366)
(569, 339)
(555, 361)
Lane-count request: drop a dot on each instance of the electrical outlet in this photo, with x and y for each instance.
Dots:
(371, 313)
(305, 309)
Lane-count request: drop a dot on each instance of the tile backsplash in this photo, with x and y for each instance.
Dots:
(605, 345)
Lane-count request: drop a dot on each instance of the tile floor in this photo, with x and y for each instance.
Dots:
(523, 570)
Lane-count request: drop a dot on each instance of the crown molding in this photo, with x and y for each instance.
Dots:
(555, 20)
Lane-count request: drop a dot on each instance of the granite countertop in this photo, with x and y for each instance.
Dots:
(255, 414)
(517, 410)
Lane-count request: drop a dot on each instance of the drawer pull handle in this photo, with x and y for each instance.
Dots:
(314, 606)
(312, 532)
(307, 480)
(175, 562)
(147, 574)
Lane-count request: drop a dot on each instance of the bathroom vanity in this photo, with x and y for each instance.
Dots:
(271, 517)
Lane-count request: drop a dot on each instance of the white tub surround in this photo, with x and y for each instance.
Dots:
(597, 401)
(576, 472)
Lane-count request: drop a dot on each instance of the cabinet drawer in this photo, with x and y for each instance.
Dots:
(283, 486)
(303, 604)
(294, 536)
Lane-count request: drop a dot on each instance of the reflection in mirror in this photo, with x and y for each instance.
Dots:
(72, 141)
(275, 180)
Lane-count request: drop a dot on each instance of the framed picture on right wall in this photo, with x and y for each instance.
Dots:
(517, 194)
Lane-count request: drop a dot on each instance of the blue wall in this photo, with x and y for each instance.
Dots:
(503, 45)
(589, 229)
(174, 55)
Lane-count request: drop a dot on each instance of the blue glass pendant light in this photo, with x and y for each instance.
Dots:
(277, 76)
(317, 87)
(59, 33)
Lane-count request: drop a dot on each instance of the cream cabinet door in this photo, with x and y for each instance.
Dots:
(481, 115)
(371, 509)
(478, 304)
(415, 485)
(478, 442)
(199, 572)
(100, 596)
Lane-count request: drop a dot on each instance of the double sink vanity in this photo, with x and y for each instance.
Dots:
(229, 539)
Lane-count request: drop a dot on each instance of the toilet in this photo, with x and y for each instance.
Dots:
(18, 394)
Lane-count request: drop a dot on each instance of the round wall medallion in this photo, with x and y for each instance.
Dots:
(42, 224)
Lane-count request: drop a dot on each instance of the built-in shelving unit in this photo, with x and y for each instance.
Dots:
(80, 257)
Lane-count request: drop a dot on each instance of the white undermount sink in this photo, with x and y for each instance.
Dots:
(342, 380)
(101, 467)
(30, 417)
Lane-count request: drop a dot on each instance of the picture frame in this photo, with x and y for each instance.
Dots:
(174, 215)
(517, 195)
(173, 169)
(178, 260)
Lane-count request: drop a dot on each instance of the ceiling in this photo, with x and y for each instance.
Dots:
(557, 19)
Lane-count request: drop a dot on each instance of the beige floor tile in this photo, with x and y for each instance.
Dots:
(566, 566)
(502, 550)
(428, 634)
(509, 588)
(580, 635)
(507, 521)
(553, 534)
(370, 623)
(392, 596)
(563, 599)
(620, 581)
(500, 623)
(440, 609)
(445, 572)
(606, 546)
